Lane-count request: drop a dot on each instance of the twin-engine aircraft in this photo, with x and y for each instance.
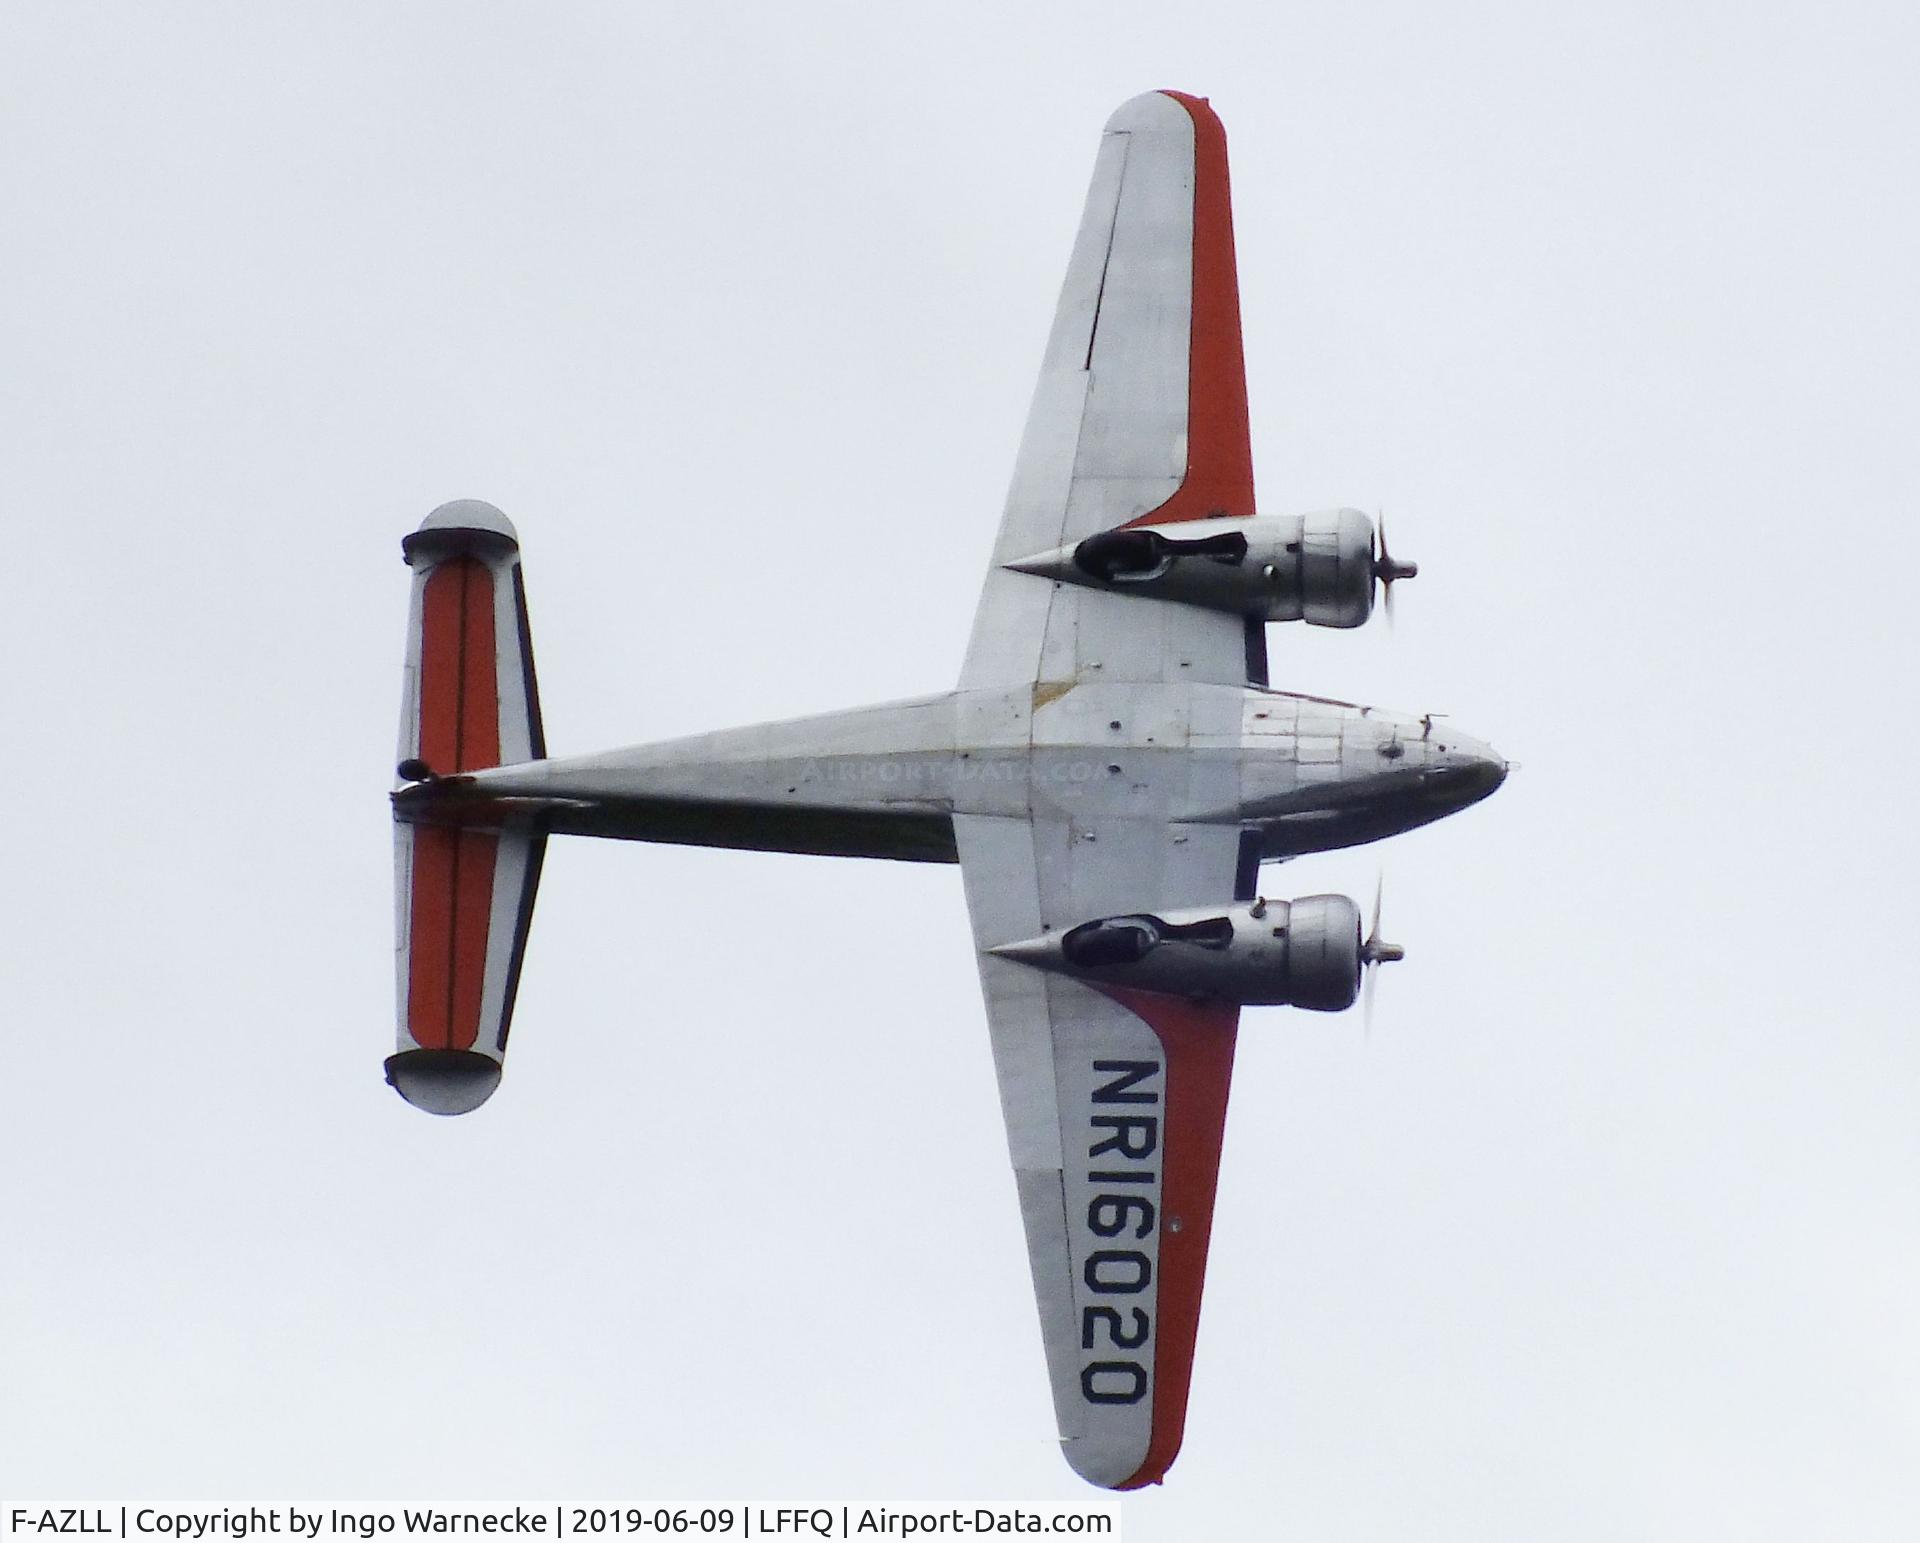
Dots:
(1110, 774)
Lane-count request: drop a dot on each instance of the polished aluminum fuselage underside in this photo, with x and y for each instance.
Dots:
(1304, 773)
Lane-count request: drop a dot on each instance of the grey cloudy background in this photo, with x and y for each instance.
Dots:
(1608, 1231)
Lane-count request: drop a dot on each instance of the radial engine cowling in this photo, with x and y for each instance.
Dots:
(1320, 568)
(1302, 953)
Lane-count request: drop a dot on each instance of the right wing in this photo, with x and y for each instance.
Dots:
(1140, 413)
(1115, 1103)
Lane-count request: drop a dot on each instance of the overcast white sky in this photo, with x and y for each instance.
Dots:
(1610, 1231)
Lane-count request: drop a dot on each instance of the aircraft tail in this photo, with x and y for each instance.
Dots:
(463, 890)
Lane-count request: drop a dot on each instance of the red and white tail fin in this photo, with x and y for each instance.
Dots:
(463, 888)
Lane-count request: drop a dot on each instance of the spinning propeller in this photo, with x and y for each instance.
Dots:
(1385, 569)
(1374, 952)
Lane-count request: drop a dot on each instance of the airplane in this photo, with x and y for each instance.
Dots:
(1109, 774)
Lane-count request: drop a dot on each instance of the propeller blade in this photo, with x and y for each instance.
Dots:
(1385, 568)
(1373, 954)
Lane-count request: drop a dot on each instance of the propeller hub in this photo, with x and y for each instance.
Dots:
(1373, 952)
(1387, 570)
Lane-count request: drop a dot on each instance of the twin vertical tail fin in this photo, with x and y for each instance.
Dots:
(463, 883)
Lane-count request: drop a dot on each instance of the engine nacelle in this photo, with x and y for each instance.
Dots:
(1320, 568)
(1302, 953)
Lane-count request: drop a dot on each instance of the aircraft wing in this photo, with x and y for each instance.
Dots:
(1140, 411)
(1115, 1103)
(1115, 1100)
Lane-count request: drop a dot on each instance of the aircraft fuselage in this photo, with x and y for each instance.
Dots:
(1307, 773)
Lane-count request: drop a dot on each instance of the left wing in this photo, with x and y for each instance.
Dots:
(1115, 1103)
(1140, 413)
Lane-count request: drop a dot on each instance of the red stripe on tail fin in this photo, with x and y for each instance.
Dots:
(452, 902)
(459, 702)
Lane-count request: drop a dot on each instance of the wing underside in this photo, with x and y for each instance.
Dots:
(1140, 413)
(1115, 1101)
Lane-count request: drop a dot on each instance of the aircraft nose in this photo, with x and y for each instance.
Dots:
(1467, 771)
(1484, 769)
(1491, 770)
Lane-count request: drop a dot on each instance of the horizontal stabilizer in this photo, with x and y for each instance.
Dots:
(463, 893)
